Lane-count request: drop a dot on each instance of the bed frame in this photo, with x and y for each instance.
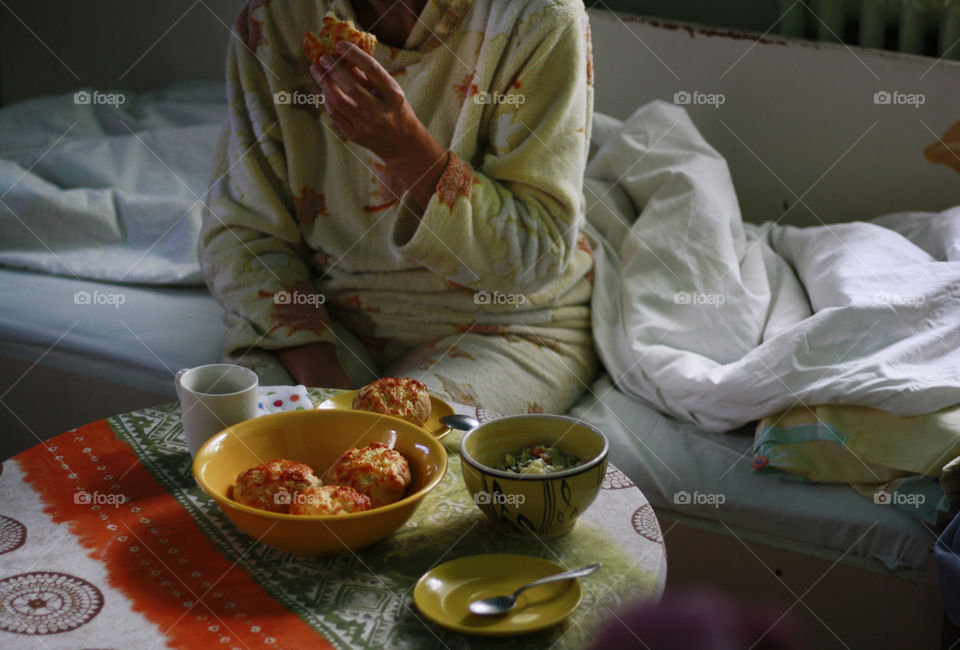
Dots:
(806, 144)
(79, 399)
(837, 601)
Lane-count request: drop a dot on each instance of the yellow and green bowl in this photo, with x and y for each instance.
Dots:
(533, 505)
(317, 438)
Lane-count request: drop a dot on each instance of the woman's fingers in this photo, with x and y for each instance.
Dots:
(348, 82)
(334, 97)
(364, 81)
(341, 121)
(317, 72)
(338, 105)
(387, 86)
(341, 76)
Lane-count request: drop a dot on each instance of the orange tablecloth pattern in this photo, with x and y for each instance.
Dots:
(106, 541)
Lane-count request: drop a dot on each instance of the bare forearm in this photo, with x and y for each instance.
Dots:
(419, 168)
(314, 364)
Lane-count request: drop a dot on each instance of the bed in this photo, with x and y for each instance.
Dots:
(804, 142)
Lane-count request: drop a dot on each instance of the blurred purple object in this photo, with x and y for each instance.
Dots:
(700, 620)
(947, 552)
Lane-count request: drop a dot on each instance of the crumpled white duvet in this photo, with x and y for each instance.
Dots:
(109, 192)
(721, 323)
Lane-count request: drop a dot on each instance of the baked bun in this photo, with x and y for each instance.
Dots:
(377, 471)
(335, 30)
(273, 485)
(329, 500)
(401, 397)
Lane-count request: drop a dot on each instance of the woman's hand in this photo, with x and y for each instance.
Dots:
(370, 108)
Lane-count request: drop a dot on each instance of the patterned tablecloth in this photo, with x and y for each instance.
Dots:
(107, 542)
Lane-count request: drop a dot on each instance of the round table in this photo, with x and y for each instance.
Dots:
(106, 541)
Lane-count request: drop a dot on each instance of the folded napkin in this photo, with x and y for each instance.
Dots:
(276, 399)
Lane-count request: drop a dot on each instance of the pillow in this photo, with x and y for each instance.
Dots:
(880, 456)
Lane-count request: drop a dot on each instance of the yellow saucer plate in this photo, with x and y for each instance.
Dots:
(438, 409)
(444, 593)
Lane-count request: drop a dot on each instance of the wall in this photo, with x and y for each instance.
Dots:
(751, 15)
(51, 47)
(799, 127)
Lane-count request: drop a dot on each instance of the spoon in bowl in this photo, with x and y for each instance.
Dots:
(462, 422)
(503, 604)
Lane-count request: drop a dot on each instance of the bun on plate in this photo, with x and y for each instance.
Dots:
(402, 397)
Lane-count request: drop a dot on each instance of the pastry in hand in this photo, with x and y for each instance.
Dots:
(273, 485)
(401, 397)
(377, 471)
(329, 500)
(335, 30)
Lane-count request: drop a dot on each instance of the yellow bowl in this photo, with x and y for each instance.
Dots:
(317, 438)
(533, 505)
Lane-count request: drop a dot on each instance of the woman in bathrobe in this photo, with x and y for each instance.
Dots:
(412, 213)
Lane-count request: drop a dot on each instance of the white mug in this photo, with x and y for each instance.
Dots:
(212, 398)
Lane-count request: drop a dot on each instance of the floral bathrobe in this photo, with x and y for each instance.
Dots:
(309, 237)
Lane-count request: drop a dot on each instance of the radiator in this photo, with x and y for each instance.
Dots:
(928, 27)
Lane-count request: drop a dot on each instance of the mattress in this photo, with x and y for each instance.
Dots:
(695, 476)
(138, 336)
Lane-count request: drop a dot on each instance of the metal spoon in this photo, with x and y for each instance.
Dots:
(503, 604)
(462, 422)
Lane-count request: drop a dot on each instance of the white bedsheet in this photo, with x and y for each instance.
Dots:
(109, 192)
(720, 323)
(132, 335)
(666, 457)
